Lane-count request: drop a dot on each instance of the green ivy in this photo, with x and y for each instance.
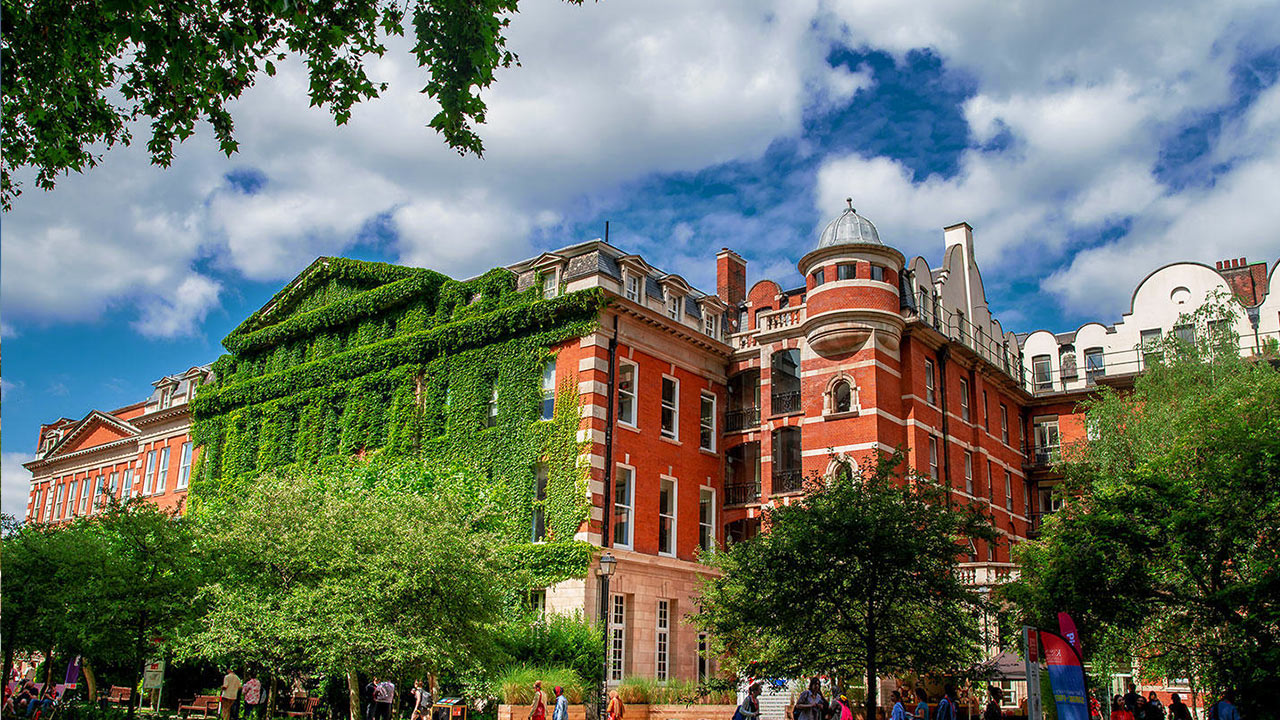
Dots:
(403, 363)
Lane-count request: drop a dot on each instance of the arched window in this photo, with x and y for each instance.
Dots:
(842, 397)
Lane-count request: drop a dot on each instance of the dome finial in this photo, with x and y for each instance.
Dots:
(849, 201)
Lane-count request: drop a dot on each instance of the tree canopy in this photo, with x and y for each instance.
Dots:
(857, 576)
(77, 76)
(365, 567)
(1167, 548)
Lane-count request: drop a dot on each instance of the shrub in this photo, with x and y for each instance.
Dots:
(647, 691)
(515, 686)
(555, 640)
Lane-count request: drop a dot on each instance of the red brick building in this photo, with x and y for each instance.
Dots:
(140, 450)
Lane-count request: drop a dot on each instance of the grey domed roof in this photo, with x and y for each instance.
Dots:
(848, 228)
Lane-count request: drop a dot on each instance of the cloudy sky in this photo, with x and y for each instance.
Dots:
(1087, 143)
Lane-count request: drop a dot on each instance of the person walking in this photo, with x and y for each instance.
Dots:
(947, 704)
(253, 697)
(809, 706)
(561, 710)
(993, 705)
(615, 710)
(922, 705)
(1118, 710)
(422, 702)
(1178, 711)
(899, 712)
(1131, 700)
(750, 707)
(1155, 708)
(538, 709)
(230, 692)
(383, 694)
(1225, 709)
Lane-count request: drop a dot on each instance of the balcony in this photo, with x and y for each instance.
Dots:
(747, 418)
(741, 493)
(785, 403)
(986, 573)
(1042, 455)
(787, 481)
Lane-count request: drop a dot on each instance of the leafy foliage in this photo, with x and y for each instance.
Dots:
(859, 575)
(373, 567)
(355, 358)
(569, 642)
(104, 586)
(77, 76)
(1167, 548)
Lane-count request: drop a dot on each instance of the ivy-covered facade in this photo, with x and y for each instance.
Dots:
(354, 358)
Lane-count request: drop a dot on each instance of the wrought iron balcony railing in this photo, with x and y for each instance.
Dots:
(741, 493)
(787, 480)
(743, 419)
(785, 403)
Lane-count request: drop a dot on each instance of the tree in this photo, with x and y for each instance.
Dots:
(106, 587)
(859, 575)
(1167, 548)
(368, 566)
(77, 75)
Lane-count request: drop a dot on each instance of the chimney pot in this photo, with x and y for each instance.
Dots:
(1243, 262)
(1218, 265)
(1234, 263)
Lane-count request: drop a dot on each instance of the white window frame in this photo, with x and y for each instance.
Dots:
(146, 475)
(127, 489)
(965, 413)
(933, 458)
(968, 471)
(707, 525)
(630, 422)
(631, 286)
(930, 382)
(703, 426)
(625, 506)
(662, 640)
(162, 471)
(1004, 423)
(184, 466)
(617, 637)
(549, 389)
(98, 484)
(86, 490)
(670, 516)
(710, 321)
(57, 500)
(550, 283)
(1008, 490)
(541, 480)
(674, 433)
(674, 302)
(491, 409)
(69, 510)
(986, 412)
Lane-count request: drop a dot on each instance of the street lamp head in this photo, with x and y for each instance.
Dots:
(607, 563)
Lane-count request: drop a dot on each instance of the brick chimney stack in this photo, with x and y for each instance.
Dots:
(731, 277)
(1248, 282)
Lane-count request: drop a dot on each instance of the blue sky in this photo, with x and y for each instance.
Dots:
(1086, 143)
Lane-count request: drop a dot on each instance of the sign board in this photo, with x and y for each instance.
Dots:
(153, 675)
(1031, 655)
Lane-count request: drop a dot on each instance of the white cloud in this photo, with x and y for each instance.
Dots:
(1081, 97)
(182, 313)
(16, 483)
(7, 387)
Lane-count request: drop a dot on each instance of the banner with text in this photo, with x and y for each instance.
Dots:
(1066, 677)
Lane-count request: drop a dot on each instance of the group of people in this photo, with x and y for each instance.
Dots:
(538, 708)
(30, 698)
(814, 705)
(1133, 706)
(233, 688)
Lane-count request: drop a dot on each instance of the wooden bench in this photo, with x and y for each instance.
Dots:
(205, 705)
(118, 695)
(308, 710)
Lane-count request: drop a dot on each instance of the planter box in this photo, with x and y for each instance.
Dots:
(634, 712)
(521, 712)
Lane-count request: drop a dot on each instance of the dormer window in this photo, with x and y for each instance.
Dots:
(673, 305)
(710, 323)
(550, 288)
(631, 283)
(166, 396)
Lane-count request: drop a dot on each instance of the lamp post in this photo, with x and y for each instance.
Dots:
(607, 565)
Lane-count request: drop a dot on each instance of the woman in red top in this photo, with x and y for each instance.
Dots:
(1117, 709)
(538, 710)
